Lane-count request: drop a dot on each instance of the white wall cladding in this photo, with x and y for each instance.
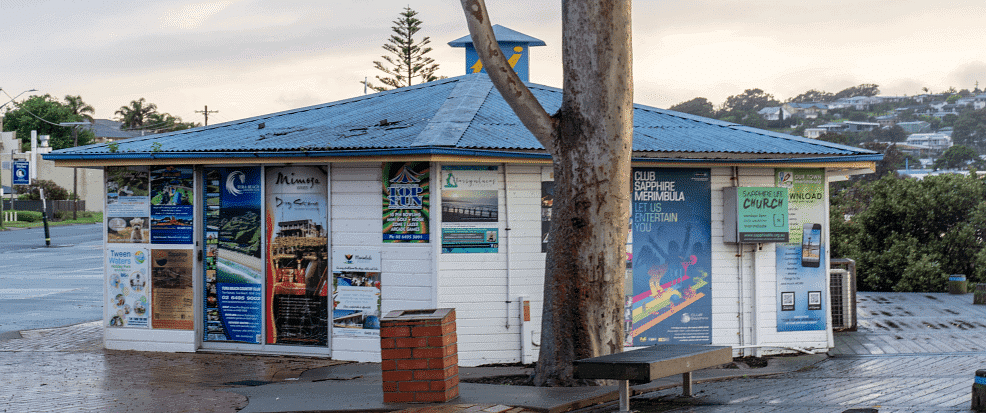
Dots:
(746, 285)
(483, 290)
(407, 280)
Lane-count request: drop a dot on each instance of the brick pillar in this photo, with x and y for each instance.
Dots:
(419, 356)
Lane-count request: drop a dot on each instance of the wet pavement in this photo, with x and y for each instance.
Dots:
(912, 353)
(44, 287)
(915, 353)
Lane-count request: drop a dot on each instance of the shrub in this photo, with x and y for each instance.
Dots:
(28, 216)
(53, 192)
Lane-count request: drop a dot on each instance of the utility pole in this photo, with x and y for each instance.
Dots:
(206, 112)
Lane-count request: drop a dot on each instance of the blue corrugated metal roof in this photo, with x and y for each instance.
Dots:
(461, 113)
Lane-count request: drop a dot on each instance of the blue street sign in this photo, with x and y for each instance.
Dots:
(22, 173)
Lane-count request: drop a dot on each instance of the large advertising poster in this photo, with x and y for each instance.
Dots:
(172, 203)
(672, 258)
(801, 265)
(406, 201)
(172, 306)
(297, 256)
(356, 294)
(128, 289)
(470, 209)
(233, 293)
(127, 205)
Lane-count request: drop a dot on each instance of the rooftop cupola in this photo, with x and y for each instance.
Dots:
(514, 45)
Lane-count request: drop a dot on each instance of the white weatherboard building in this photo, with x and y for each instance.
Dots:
(291, 233)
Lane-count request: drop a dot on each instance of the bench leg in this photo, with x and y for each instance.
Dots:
(686, 384)
(624, 396)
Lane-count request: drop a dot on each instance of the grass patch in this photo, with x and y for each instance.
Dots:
(84, 217)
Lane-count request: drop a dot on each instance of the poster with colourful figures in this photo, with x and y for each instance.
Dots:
(128, 288)
(173, 305)
(172, 203)
(406, 201)
(356, 293)
(470, 209)
(234, 284)
(801, 266)
(298, 279)
(672, 256)
(127, 205)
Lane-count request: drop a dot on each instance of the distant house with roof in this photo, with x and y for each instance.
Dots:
(917, 126)
(106, 130)
(811, 110)
(934, 142)
(437, 196)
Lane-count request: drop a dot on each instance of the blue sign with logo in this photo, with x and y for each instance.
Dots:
(22, 173)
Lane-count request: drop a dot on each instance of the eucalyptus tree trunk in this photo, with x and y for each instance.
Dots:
(590, 142)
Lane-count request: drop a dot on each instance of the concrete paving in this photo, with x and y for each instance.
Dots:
(912, 353)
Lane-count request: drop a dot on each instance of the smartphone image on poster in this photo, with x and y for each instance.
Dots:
(811, 243)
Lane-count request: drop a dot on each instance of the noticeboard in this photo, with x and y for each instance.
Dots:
(756, 214)
(21, 173)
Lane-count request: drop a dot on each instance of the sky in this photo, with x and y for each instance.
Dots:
(246, 58)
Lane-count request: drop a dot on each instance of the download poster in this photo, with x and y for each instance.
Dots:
(801, 267)
(297, 310)
(671, 260)
(233, 298)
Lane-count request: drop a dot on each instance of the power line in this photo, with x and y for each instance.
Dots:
(206, 112)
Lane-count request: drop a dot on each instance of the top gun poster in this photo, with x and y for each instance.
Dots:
(672, 259)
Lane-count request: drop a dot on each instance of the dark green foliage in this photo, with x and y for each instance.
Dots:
(908, 234)
(970, 129)
(28, 216)
(866, 89)
(407, 59)
(957, 156)
(43, 114)
(53, 192)
(697, 107)
(812, 96)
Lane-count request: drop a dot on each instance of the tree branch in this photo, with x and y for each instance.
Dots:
(513, 90)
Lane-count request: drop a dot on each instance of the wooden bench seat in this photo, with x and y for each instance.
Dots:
(651, 363)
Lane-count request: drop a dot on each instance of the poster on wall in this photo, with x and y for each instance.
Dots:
(671, 259)
(172, 306)
(801, 265)
(470, 209)
(297, 308)
(128, 289)
(172, 203)
(127, 205)
(406, 201)
(233, 284)
(356, 294)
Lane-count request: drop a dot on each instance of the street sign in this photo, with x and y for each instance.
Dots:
(21, 174)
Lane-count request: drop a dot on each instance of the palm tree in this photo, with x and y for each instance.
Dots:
(137, 114)
(80, 109)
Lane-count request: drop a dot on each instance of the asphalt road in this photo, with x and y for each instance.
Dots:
(44, 287)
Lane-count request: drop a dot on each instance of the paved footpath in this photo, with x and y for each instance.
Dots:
(66, 369)
(912, 353)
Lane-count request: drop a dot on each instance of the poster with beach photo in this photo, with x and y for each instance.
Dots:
(297, 310)
(127, 205)
(233, 298)
(470, 209)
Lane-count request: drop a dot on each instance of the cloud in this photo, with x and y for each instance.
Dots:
(191, 16)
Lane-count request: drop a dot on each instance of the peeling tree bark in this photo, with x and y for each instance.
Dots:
(590, 142)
